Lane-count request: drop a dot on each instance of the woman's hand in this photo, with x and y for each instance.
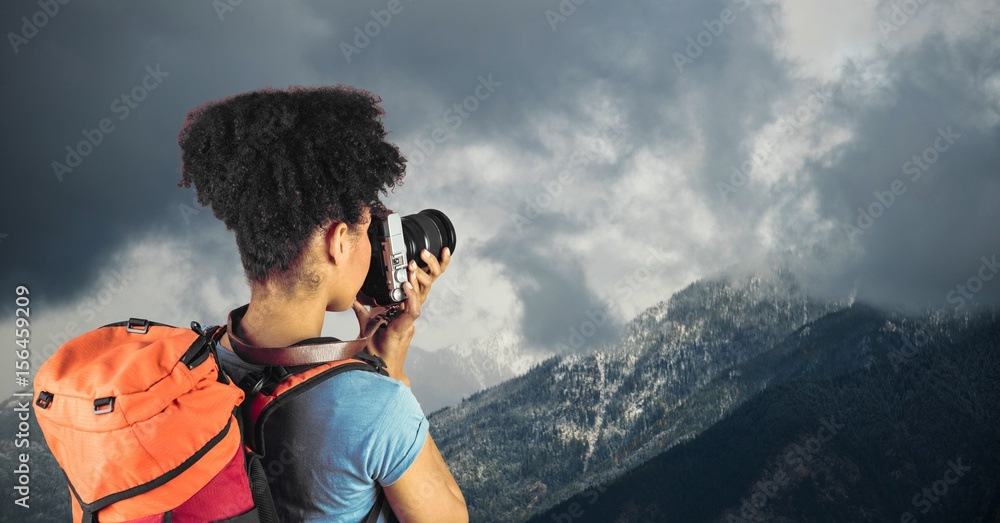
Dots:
(392, 341)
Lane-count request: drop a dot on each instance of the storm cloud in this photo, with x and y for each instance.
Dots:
(564, 139)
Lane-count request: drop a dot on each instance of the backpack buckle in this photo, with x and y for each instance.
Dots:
(252, 383)
(104, 405)
(144, 323)
(374, 360)
(44, 399)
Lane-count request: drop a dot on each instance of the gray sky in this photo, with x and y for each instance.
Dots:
(600, 132)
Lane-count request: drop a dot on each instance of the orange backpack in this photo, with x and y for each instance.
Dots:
(146, 428)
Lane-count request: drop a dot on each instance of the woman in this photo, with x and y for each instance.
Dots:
(296, 174)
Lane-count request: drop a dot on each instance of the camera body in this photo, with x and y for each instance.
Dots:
(387, 272)
(395, 241)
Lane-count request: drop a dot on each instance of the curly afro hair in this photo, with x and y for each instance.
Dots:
(276, 164)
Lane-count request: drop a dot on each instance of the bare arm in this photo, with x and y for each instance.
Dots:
(427, 491)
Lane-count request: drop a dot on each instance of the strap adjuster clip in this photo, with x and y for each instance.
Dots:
(44, 399)
(138, 321)
(104, 405)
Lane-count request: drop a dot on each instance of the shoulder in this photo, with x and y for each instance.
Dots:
(368, 394)
(373, 418)
(360, 399)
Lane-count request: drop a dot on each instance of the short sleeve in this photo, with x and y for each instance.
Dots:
(398, 439)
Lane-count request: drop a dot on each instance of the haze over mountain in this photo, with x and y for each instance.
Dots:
(443, 377)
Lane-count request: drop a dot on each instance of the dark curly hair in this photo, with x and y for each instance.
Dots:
(275, 164)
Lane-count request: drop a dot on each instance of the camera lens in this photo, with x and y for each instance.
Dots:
(429, 229)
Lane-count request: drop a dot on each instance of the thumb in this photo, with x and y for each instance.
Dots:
(368, 320)
(361, 313)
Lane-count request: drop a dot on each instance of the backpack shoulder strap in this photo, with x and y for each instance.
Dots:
(322, 361)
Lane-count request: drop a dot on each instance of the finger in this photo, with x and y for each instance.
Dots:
(445, 258)
(364, 318)
(425, 280)
(412, 309)
(419, 277)
(413, 281)
(365, 312)
(360, 311)
(432, 263)
(362, 314)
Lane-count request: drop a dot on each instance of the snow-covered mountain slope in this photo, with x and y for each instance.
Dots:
(572, 420)
(443, 377)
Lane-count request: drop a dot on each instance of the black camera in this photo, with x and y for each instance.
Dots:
(397, 240)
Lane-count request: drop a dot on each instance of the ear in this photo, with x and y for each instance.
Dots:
(338, 242)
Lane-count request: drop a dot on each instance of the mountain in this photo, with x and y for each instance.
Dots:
(574, 421)
(908, 439)
(680, 370)
(445, 376)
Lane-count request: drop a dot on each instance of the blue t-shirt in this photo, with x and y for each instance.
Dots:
(337, 440)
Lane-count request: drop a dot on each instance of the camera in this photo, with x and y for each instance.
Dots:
(397, 240)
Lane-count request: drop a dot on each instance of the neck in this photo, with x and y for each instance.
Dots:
(278, 322)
